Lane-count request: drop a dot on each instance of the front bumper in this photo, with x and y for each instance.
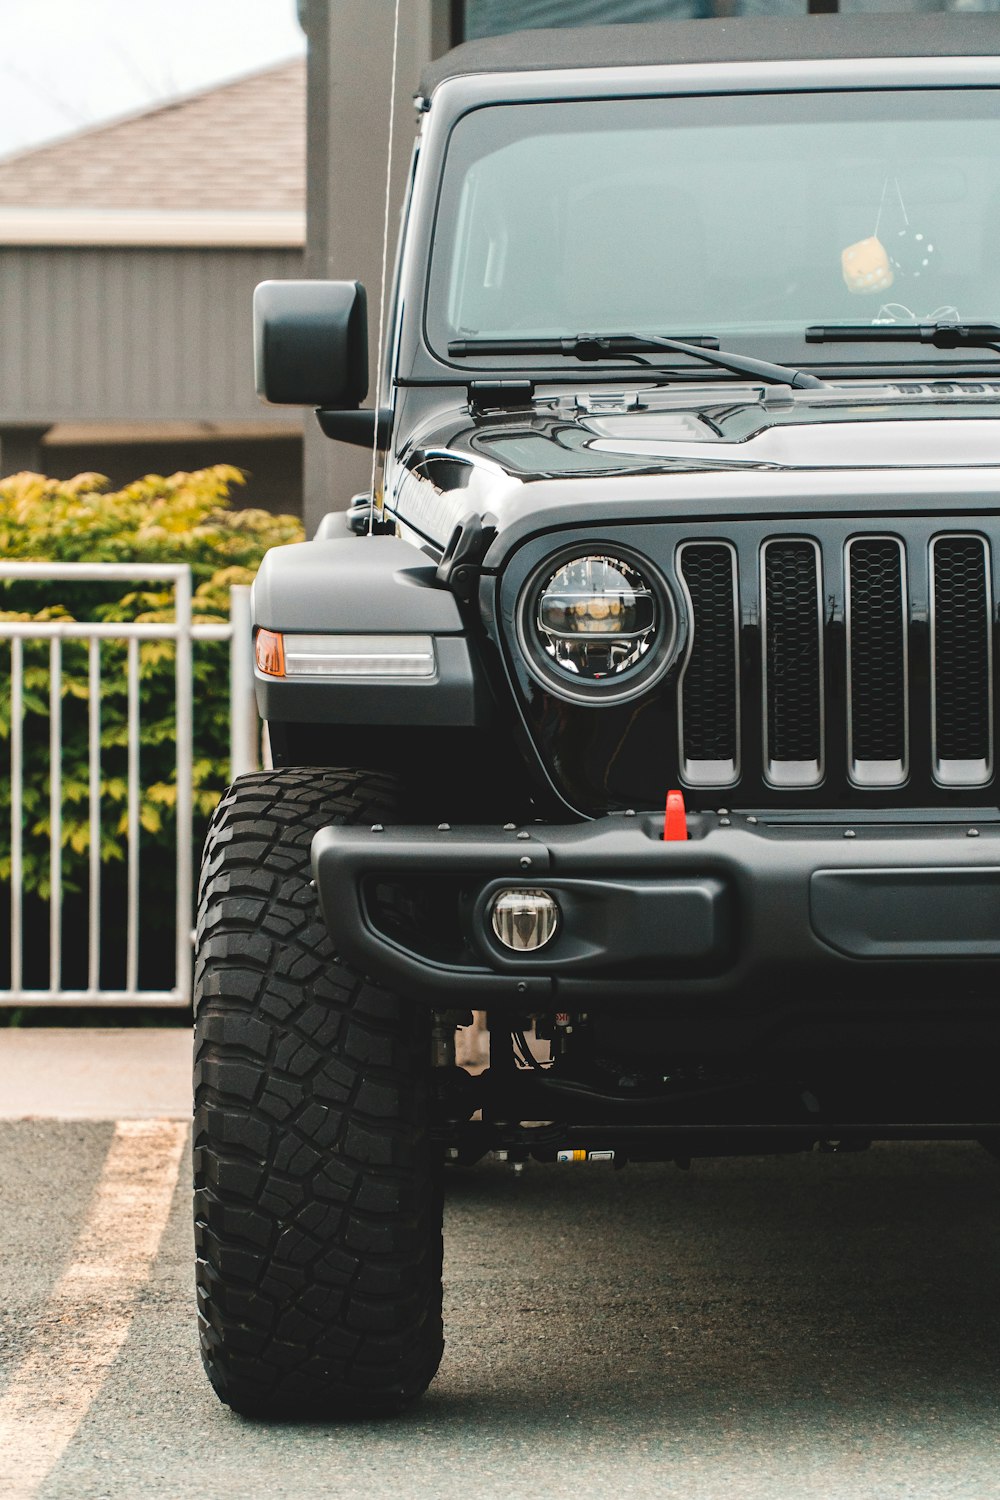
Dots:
(748, 905)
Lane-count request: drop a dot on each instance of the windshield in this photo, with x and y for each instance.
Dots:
(747, 217)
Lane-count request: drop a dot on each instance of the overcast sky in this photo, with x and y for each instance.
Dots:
(65, 64)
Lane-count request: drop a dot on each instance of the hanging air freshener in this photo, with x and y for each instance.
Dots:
(911, 250)
(869, 267)
(866, 266)
(912, 253)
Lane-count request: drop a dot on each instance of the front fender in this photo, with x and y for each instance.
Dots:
(363, 586)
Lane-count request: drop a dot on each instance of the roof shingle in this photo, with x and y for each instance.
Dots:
(241, 146)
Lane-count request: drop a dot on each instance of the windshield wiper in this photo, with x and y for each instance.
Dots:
(943, 335)
(592, 346)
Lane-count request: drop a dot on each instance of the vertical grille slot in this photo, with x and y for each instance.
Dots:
(710, 692)
(877, 667)
(961, 661)
(792, 637)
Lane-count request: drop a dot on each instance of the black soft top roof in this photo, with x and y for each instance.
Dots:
(743, 39)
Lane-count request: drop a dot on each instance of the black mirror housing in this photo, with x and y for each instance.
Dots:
(311, 343)
(362, 428)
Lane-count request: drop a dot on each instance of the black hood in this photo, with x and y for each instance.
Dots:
(482, 461)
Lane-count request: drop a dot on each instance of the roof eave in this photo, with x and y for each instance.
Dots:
(190, 228)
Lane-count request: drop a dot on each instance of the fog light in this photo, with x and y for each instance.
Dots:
(525, 920)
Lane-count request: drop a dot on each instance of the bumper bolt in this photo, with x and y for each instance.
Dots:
(377, 828)
(751, 819)
(725, 822)
(444, 828)
(973, 833)
(849, 833)
(522, 988)
(509, 827)
(525, 861)
(524, 834)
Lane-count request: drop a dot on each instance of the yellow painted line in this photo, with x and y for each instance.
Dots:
(87, 1319)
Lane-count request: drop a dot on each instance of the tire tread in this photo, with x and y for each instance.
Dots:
(317, 1190)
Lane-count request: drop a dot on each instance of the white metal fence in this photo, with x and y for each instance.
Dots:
(244, 744)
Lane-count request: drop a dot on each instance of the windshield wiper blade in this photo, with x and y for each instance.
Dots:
(761, 369)
(584, 346)
(943, 335)
(591, 346)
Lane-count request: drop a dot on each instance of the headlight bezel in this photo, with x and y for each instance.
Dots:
(633, 680)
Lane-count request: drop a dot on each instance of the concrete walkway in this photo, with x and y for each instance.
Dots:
(84, 1073)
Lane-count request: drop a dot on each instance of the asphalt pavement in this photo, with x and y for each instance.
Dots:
(814, 1326)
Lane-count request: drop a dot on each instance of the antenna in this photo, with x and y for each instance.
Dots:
(385, 256)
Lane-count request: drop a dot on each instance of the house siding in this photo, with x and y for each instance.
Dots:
(141, 333)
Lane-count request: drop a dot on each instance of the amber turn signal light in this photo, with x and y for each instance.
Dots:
(270, 649)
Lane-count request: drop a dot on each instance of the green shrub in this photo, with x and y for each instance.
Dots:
(181, 519)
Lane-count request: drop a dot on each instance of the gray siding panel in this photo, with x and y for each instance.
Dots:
(122, 334)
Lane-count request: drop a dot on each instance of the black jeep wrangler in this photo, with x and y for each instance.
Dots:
(648, 705)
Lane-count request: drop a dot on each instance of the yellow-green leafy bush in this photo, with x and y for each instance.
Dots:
(185, 518)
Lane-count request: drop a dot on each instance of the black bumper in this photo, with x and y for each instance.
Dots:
(747, 905)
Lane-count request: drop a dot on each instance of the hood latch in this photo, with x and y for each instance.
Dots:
(498, 395)
(460, 562)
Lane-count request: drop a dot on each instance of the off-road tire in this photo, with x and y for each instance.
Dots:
(317, 1189)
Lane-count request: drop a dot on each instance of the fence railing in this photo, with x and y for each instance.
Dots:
(244, 744)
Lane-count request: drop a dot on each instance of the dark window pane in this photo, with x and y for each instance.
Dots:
(495, 17)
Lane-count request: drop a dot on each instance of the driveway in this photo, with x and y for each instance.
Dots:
(814, 1326)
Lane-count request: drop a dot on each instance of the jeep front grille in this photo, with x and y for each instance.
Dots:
(876, 619)
(792, 631)
(709, 704)
(961, 660)
(842, 690)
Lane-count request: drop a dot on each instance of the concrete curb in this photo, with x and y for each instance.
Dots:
(84, 1073)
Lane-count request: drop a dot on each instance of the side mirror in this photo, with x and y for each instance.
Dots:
(311, 343)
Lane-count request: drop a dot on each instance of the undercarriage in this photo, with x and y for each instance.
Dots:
(553, 1092)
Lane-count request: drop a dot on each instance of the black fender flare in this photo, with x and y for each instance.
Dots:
(366, 585)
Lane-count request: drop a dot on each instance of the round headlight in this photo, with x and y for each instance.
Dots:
(596, 617)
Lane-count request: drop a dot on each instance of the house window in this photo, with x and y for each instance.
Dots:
(476, 18)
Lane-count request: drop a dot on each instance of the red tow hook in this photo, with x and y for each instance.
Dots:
(675, 822)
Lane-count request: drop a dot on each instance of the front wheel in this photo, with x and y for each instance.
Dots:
(317, 1188)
